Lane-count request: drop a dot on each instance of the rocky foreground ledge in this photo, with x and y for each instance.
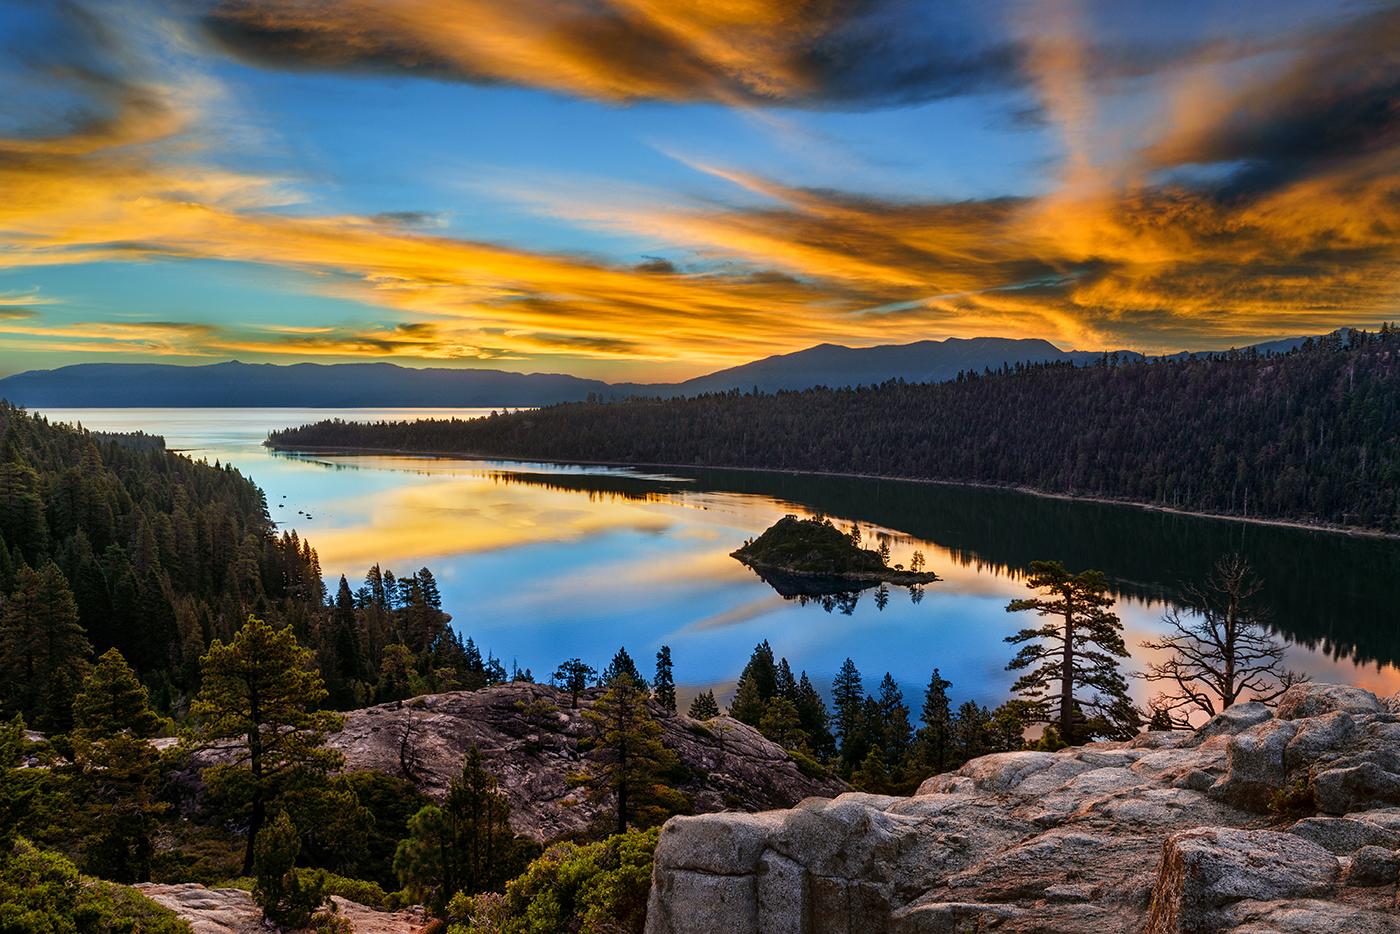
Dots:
(1166, 834)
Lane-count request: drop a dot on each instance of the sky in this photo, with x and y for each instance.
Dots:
(649, 190)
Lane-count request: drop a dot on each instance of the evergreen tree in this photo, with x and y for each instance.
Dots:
(782, 724)
(256, 705)
(466, 845)
(114, 724)
(784, 685)
(894, 721)
(1078, 649)
(628, 747)
(664, 688)
(286, 897)
(937, 715)
(43, 650)
(427, 586)
(848, 696)
(762, 670)
(748, 704)
(395, 673)
(873, 776)
(969, 732)
(572, 676)
(704, 706)
(622, 665)
(816, 721)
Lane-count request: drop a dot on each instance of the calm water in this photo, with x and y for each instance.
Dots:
(539, 563)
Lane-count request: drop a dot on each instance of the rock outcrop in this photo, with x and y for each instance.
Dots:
(232, 911)
(1169, 833)
(532, 739)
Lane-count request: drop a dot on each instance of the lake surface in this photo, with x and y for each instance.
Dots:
(540, 562)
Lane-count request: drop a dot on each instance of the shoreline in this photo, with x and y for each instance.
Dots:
(967, 484)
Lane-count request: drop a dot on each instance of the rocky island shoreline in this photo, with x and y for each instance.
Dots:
(812, 557)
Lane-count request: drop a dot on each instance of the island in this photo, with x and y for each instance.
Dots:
(812, 557)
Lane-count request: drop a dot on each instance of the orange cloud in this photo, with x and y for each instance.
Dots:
(812, 52)
(1306, 236)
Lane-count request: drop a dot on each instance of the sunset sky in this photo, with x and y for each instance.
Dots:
(654, 189)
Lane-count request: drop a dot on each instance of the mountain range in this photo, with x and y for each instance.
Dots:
(379, 385)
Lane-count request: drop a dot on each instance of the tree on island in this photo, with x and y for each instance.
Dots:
(1220, 652)
(1077, 648)
(255, 706)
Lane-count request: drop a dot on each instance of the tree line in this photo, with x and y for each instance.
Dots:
(1312, 435)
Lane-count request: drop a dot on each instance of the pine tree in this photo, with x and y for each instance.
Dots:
(748, 704)
(704, 706)
(255, 706)
(937, 715)
(621, 665)
(816, 721)
(113, 701)
(42, 646)
(782, 724)
(894, 716)
(664, 688)
(572, 676)
(784, 684)
(427, 585)
(848, 695)
(285, 896)
(628, 747)
(466, 845)
(1079, 649)
(762, 670)
(114, 724)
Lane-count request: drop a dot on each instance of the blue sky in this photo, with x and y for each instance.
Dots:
(653, 189)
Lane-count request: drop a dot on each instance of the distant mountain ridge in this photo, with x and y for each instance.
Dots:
(381, 385)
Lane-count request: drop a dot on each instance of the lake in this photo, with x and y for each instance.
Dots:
(539, 563)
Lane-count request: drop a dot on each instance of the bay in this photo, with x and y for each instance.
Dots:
(543, 562)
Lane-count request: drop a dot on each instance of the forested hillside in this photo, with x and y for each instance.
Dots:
(110, 541)
(1309, 435)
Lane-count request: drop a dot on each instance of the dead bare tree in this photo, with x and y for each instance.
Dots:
(1221, 649)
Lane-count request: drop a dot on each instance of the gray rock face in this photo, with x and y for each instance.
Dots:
(1203, 871)
(1303, 701)
(1163, 834)
(529, 736)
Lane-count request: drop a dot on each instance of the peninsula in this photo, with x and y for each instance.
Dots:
(816, 550)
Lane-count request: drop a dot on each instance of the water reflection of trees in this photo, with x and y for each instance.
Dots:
(1330, 592)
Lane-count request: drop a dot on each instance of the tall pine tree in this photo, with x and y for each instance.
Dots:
(1076, 649)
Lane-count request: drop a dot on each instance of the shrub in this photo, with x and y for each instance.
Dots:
(355, 890)
(600, 886)
(42, 893)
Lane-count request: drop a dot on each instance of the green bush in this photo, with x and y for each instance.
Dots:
(808, 766)
(356, 890)
(42, 893)
(601, 886)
